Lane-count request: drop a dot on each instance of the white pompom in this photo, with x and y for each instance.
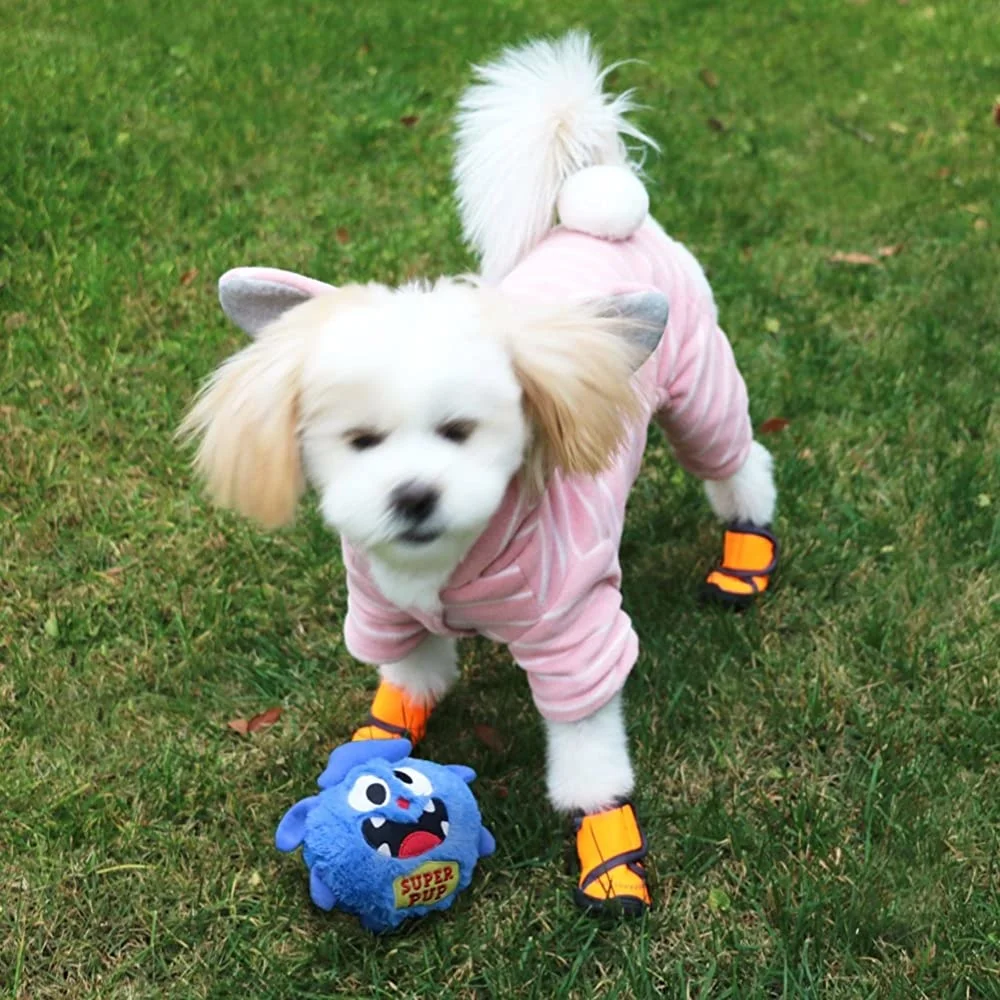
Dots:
(605, 201)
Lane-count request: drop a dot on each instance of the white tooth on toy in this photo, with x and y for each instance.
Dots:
(429, 808)
(444, 827)
(384, 850)
(377, 821)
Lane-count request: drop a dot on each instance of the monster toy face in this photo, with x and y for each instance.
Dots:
(388, 837)
(403, 818)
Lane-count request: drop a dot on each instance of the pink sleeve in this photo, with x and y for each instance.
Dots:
(577, 660)
(703, 405)
(375, 631)
(580, 645)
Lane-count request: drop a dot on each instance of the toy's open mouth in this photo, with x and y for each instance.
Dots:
(408, 840)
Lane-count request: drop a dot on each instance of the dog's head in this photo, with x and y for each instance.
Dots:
(410, 410)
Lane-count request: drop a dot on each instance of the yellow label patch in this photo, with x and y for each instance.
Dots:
(429, 883)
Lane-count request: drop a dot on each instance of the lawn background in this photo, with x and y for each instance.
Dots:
(819, 778)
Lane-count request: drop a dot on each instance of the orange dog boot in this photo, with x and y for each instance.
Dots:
(611, 849)
(394, 714)
(749, 559)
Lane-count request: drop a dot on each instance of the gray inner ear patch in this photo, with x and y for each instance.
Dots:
(252, 303)
(648, 312)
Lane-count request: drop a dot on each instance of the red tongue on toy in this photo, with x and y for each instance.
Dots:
(418, 842)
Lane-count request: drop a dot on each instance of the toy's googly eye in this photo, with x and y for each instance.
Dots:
(368, 793)
(417, 783)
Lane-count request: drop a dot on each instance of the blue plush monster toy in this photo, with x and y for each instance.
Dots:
(388, 837)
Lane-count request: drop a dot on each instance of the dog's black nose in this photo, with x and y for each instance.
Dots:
(414, 501)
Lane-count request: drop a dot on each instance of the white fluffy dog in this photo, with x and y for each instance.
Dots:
(474, 441)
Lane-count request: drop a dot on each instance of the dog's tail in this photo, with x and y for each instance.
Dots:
(535, 118)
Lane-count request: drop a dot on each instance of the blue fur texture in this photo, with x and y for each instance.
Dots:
(388, 837)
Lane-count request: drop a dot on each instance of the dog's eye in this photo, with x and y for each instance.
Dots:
(362, 440)
(418, 784)
(457, 431)
(368, 793)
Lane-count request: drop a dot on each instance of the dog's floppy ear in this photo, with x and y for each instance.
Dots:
(575, 365)
(254, 297)
(246, 419)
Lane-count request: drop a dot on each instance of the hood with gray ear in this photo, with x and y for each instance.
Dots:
(646, 315)
(253, 297)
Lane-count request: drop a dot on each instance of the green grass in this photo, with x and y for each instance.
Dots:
(820, 778)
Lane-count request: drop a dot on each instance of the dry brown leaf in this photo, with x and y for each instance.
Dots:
(851, 257)
(996, 112)
(709, 79)
(343, 236)
(980, 224)
(944, 173)
(15, 320)
(409, 120)
(891, 250)
(188, 276)
(260, 721)
(113, 573)
(264, 720)
(773, 425)
(489, 737)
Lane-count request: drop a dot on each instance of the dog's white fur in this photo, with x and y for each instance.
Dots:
(428, 673)
(748, 495)
(588, 761)
(540, 390)
(537, 116)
